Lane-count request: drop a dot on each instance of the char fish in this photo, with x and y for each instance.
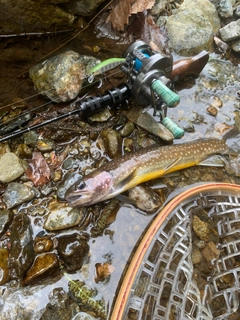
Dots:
(132, 169)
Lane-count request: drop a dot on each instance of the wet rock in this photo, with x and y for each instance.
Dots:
(201, 228)
(148, 123)
(231, 31)
(127, 129)
(21, 246)
(4, 272)
(17, 193)
(42, 244)
(112, 142)
(73, 250)
(101, 116)
(58, 307)
(23, 151)
(45, 145)
(60, 78)
(6, 217)
(63, 217)
(69, 179)
(213, 111)
(30, 138)
(45, 265)
(7, 161)
(196, 20)
(145, 198)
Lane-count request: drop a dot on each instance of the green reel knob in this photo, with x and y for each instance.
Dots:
(177, 132)
(168, 96)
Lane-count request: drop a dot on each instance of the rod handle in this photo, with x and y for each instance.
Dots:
(168, 96)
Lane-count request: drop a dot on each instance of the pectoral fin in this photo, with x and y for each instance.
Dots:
(172, 164)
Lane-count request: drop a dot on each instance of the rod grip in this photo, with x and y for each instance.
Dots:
(168, 96)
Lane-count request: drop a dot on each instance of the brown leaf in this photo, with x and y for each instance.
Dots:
(103, 270)
(38, 170)
(123, 9)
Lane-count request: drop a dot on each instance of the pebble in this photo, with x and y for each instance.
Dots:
(45, 265)
(10, 160)
(6, 217)
(42, 244)
(63, 217)
(225, 8)
(112, 142)
(210, 252)
(196, 255)
(17, 193)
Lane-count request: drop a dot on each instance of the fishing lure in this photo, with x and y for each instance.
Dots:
(105, 66)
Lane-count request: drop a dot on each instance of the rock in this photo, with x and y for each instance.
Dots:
(58, 307)
(63, 217)
(45, 265)
(236, 46)
(201, 228)
(7, 161)
(21, 246)
(60, 78)
(148, 123)
(32, 16)
(145, 198)
(159, 7)
(196, 20)
(69, 179)
(82, 7)
(196, 255)
(211, 252)
(73, 250)
(17, 193)
(42, 244)
(231, 31)
(225, 8)
(6, 217)
(112, 142)
(4, 272)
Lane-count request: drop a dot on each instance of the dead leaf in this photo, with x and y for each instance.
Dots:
(38, 170)
(123, 9)
(103, 270)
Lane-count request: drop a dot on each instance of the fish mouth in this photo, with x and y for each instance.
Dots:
(77, 199)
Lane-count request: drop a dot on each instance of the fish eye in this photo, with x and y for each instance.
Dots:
(81, 185)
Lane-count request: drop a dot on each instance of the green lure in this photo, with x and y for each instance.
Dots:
(105, 66)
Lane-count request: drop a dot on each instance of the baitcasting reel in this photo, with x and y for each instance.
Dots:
(148, 83)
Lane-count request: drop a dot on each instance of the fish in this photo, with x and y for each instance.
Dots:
(126, 172)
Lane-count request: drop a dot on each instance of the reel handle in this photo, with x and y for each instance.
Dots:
(168, 96)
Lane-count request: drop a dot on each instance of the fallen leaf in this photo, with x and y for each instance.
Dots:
(103, 270)
(38, 170)
(123, 9)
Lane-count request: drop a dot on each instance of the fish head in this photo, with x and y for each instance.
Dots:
(90, 189)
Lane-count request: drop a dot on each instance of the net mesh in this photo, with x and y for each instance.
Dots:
(166, 285)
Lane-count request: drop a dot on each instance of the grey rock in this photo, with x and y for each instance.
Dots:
(60, 78)
(159, 7)
(17, 193)
(10, 167)
(225, 8)
(62, 218)
(192, 28)
(231, 31)
(236, 46)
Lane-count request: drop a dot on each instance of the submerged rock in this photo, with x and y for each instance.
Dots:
(45, 265)
(7, 161)
(6, 217)
(73, 251)
(60, 78)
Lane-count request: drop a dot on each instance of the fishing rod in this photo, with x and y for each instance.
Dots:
(149, 76)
